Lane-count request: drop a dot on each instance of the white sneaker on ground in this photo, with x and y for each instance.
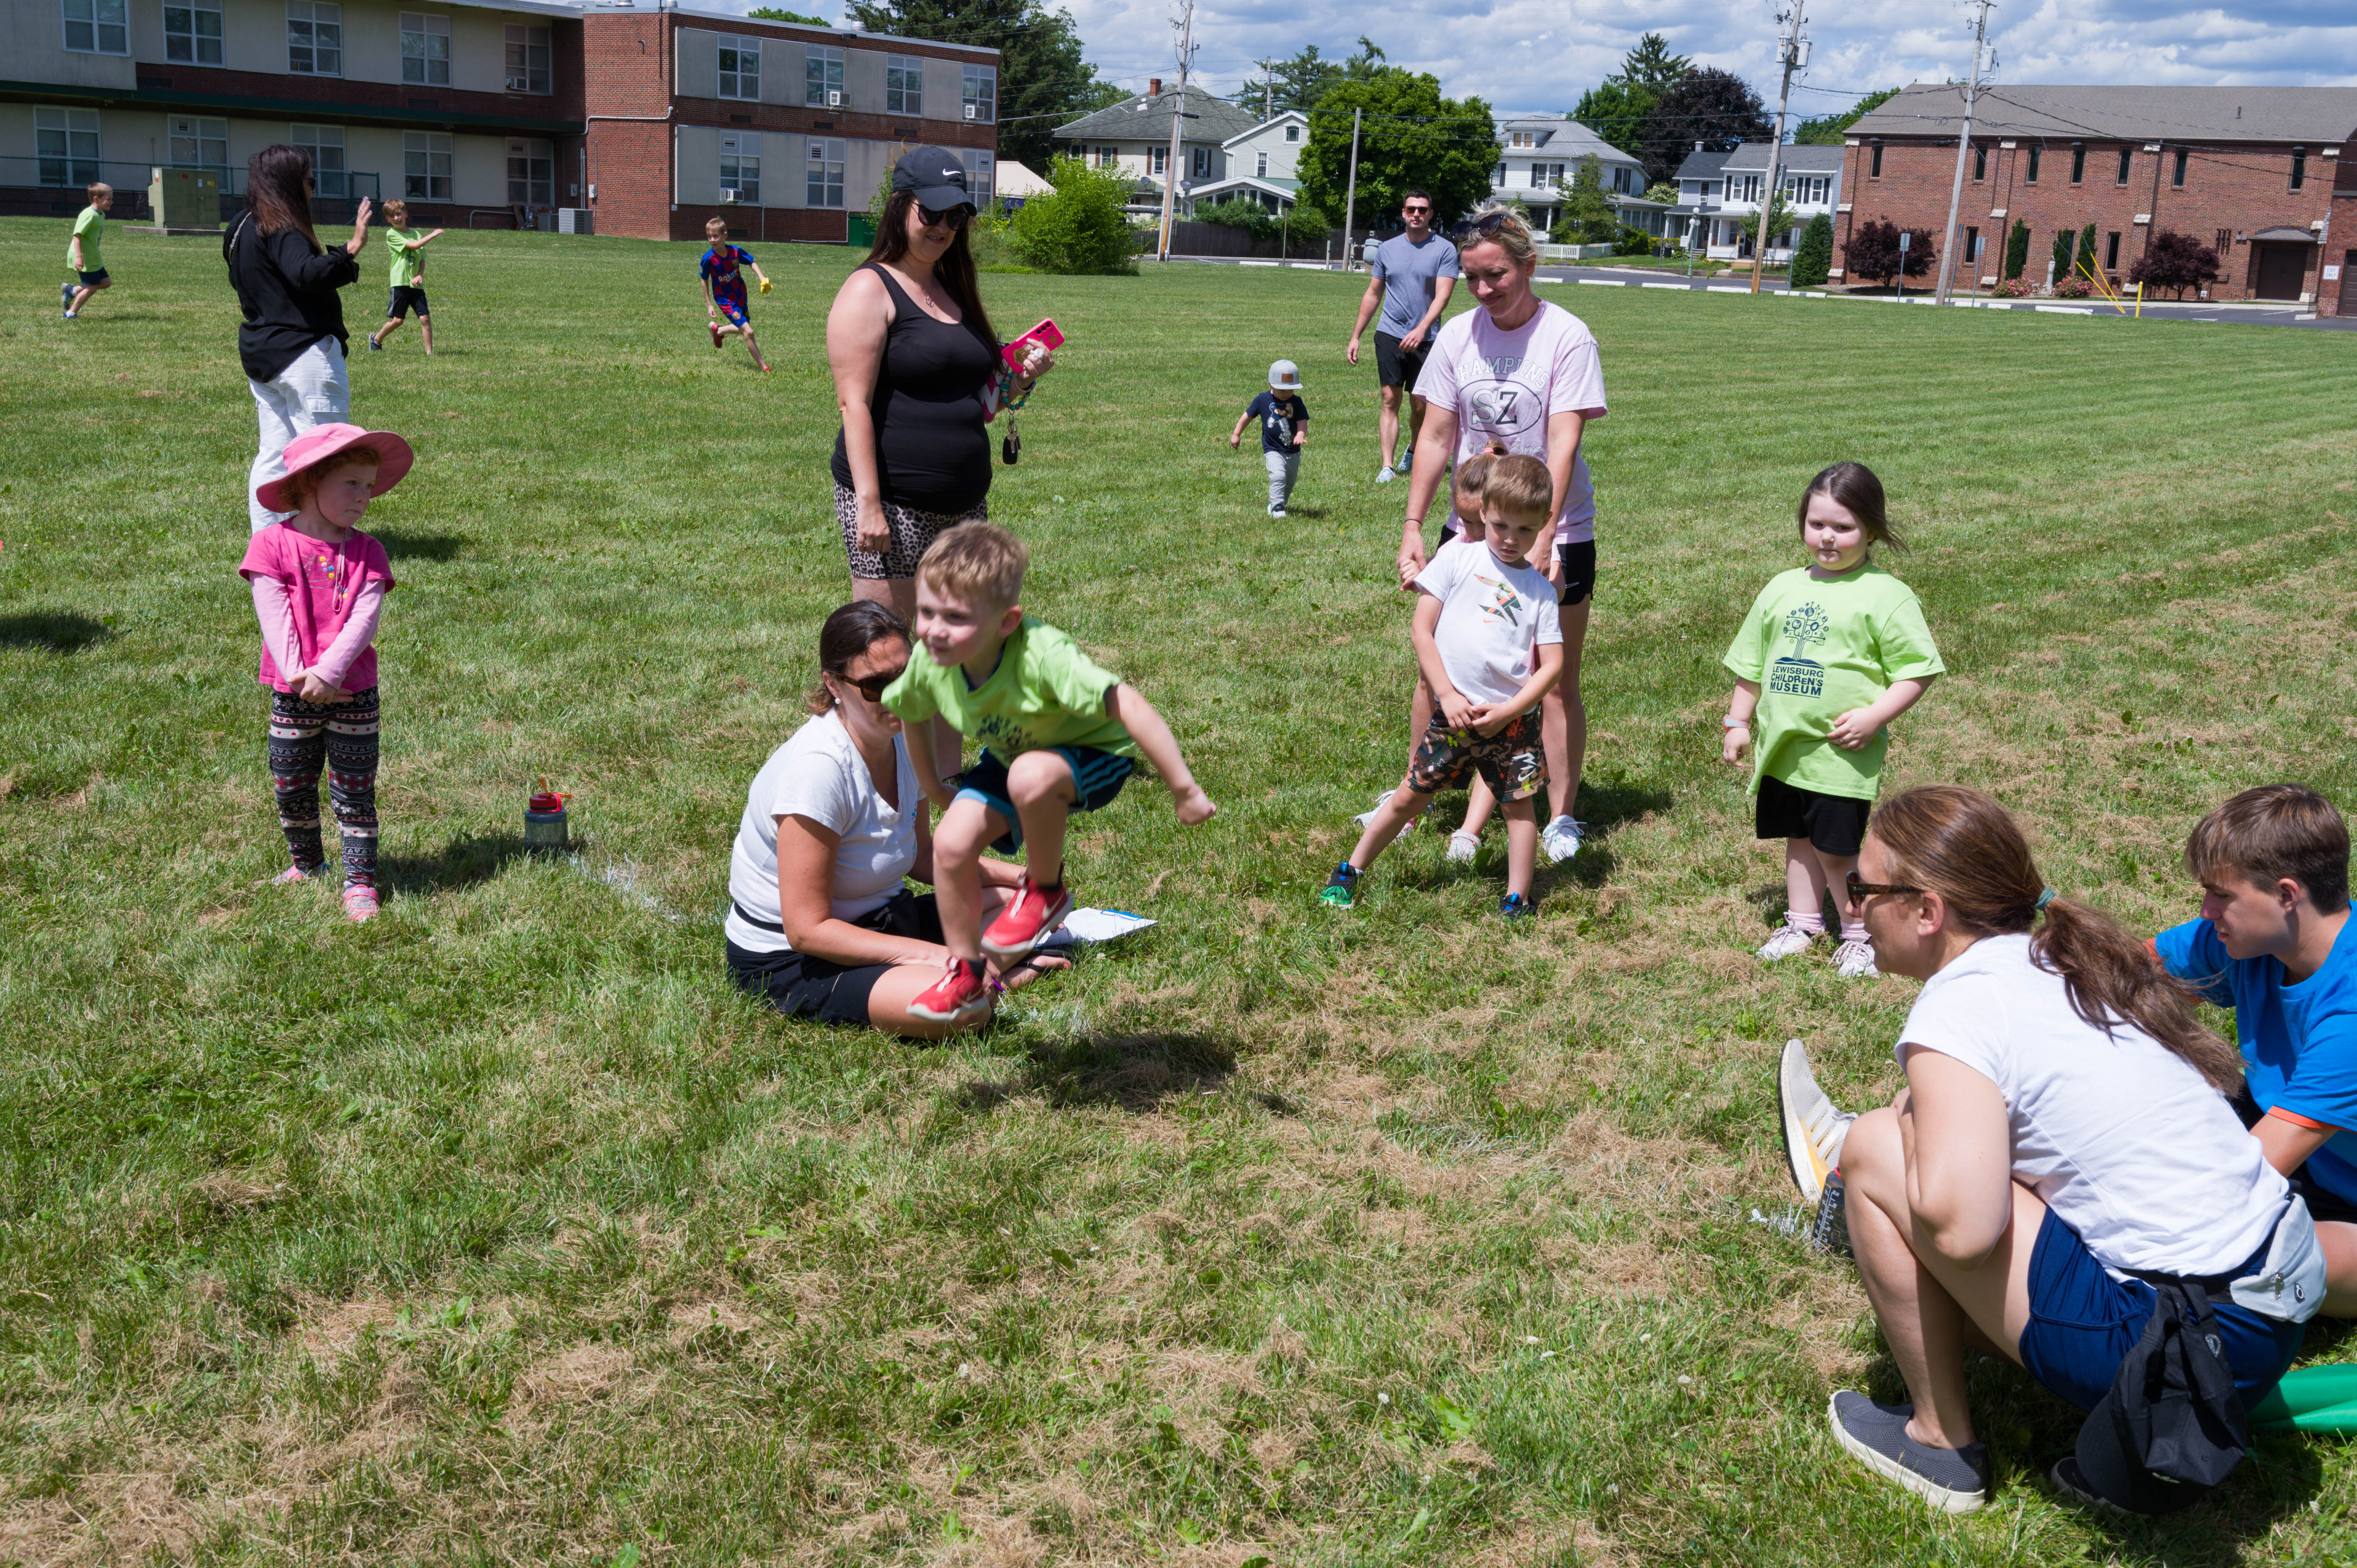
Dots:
(1363, 818)
(1788, 940)
(1384, 475)
(1815, 1127)
(1276, 511)
(1854, 960)
(1561, 840)
(1463, 846)
(1407, 458)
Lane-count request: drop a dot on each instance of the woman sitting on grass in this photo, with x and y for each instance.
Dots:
(823, 923)
(2062, 1141)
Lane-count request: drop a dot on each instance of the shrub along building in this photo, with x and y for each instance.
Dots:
(2250, 171)
(487, 112)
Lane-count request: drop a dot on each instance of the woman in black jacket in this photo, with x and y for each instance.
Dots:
(292, 342)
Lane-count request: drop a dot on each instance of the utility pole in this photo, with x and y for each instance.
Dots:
(1269, 88)
(1350, 200)
(1177, 118)
(1793, 57)
(1964, 147)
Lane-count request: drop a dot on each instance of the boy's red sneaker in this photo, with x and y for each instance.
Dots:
(714, 326)
(959, 996)
(1020, 925)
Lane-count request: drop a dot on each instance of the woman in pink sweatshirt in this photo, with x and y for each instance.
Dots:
(318, 587)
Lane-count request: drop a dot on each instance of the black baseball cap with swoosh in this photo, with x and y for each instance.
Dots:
(937, 176)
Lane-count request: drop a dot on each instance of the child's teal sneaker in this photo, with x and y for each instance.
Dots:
(1514, 906)
(1340, 887)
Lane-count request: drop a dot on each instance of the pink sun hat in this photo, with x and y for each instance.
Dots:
(317, 444)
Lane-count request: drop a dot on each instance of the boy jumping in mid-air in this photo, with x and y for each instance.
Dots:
(1058, 735)
(724, 287)
(408, 247)
(82, 252)
(1489, 643)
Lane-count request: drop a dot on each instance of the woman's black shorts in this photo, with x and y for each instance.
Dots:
(1834, 824)
(804, 987)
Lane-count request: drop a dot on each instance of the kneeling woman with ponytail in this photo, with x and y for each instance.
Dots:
(2061, 1158)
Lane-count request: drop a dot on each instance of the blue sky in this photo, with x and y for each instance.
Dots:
(1540, 54)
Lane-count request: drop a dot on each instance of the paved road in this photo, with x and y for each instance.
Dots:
(2258, 314)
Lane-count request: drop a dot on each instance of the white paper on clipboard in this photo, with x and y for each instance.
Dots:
(1096, 926)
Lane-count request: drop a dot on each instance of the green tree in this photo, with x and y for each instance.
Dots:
(774, 14)
(1042, 79)
(1412, 138)
(1103, 94)
(1588, 215)
(2086, 265)
(1708, 105)
(1780, 220)
(1825, 130)
(2061, 253)
(1617, 111)
(1651, 65)
(1301, 81)
(1081, 227)
(2017, 250)
(1812, 258)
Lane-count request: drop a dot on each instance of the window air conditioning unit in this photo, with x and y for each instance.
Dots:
(969, 111)
(728, 197)
(834, 99)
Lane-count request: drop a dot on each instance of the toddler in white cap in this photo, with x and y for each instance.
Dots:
(1283, 431)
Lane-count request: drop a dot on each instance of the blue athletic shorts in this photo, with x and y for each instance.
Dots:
(1097, 778)
(732, 303)
(2084, 1323)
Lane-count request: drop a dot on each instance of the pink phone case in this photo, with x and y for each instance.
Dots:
(1044, 333)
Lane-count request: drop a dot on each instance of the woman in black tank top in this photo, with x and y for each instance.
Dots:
(917, 379)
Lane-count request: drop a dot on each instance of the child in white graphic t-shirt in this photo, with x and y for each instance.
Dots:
(1490, 642)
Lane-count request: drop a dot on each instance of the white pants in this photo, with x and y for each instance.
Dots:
(1284, 472)
(314, 389)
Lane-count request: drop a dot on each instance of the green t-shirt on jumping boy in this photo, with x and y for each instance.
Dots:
(1045, 692)
(90, 230)
(407, 265)
(1819, 646)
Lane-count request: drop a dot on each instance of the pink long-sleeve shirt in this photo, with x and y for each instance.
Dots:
(317, 604)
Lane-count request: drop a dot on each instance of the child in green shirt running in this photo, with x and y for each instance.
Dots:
(1830, 654)
(1058, 734)
(83, 257)
(408, 247)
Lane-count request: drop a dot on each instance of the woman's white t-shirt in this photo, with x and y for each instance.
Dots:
(819, 774)
(1503, 386)
(2117, 1134)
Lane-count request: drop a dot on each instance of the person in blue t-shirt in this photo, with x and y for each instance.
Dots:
(1283, 431)
(724, 287)
(2275, 943)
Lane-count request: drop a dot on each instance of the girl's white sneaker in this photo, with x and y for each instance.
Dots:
(1854, 960)
(1463, 846)
(1789, 940)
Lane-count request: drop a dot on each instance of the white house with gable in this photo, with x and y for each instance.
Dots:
(1263, 164)
(1538, 152)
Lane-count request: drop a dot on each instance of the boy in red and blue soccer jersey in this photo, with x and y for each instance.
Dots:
(724, 287)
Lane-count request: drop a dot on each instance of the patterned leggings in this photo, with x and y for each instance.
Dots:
(342, 739)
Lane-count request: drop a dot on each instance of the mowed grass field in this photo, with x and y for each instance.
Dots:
(503, 1232)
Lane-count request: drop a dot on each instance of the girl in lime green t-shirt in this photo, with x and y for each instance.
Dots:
(1830, 654)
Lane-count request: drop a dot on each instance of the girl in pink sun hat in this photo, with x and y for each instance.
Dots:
(318, 587)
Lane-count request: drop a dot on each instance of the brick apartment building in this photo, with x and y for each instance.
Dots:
(484, 112)
(2266, 175)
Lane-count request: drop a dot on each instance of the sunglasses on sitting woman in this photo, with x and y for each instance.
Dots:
(872, 687)
(1862, 889)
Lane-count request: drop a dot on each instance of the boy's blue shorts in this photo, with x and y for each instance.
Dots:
(1097, 778)
(732, 306)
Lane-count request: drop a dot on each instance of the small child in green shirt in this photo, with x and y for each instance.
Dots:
(408, 247)
(1059, 734)
(83, 257)
(1830, 654)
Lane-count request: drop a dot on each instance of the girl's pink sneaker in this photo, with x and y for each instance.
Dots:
(289, 877)
(360, 904)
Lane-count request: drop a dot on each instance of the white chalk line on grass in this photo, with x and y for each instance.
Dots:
(623, 879)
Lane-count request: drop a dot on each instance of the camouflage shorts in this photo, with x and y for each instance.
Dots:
(1511, 762)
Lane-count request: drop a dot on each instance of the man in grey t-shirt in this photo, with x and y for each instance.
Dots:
(1414, 275)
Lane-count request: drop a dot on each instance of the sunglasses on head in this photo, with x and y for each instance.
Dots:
(872, 687)
(1488, 224)
(1861, 889)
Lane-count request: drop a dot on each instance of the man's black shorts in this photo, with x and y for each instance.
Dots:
(405, 300)
(1398, 367)
(1834, 824)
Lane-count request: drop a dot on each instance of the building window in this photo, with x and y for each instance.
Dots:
(2177, 171)
(978, 88)
(1259, 165)
(98, 26)
(315, 39)
(425, 50)
(904, 84)
(1158, 161)
(740, 166)
(1980, 162)
(325, 146)
(2111, 251)
(1202, 164)
(2035, 153)
(1875, 171)
(1293, 132)
(193, 33)
(1499, 178)
(527, 59)
(740, 67)
(1972, 244)
(66, 143)
(1108, 156)
(1521, 139)
(2298, 167)
(981, 177)
(531, 174)
(425, 160)
(200, 143)
(823, 77)
(2125, 155)
(825, 174)
(2078, 162)
(2223, 243)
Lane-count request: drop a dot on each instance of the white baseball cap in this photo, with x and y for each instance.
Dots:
(1285, 376)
